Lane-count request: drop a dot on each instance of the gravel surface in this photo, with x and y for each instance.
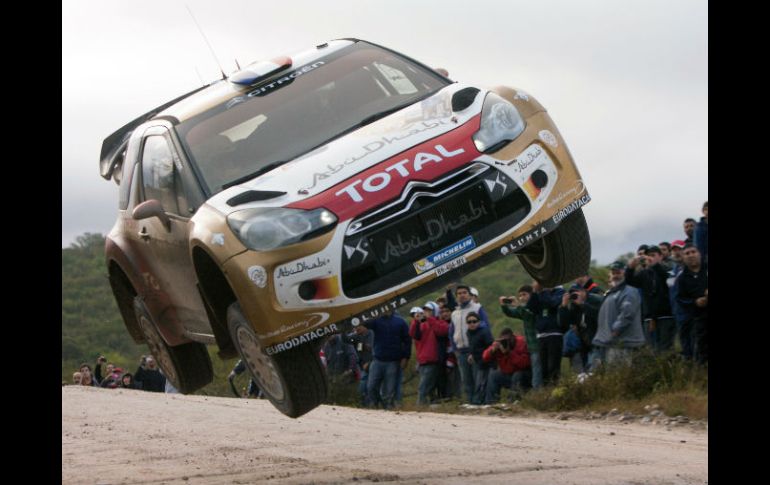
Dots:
(134, 437)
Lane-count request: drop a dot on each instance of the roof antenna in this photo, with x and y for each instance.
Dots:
(236, 63)
(207, 42)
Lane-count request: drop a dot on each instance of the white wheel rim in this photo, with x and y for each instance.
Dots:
(158, 350)
(259, 363)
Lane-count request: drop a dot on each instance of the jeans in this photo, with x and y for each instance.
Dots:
(610, 356)
(466, 373)
(537, 370)
(362, 389)
(550, 355)
(686, 330)
(428, 377)
(480, 373)
(665, 332)
(383, 374)
(649, 335)
(497, 380)
(701, 339)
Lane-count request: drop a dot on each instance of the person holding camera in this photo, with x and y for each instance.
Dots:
(148, 376)
(658, 319)
(516, 307)
(579, 312)
(513, 365)
(544, 304)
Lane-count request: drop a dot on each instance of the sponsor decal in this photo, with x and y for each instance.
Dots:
(527, 158)
(450, 266)
(312, 321)
(524, 240)
(446, 254)
(578, 189)
(548, 137)
(437, 228)
(378, 311)
(559, 216)
(258, 275)
(355, 321)
(218, 238)
(380, 180)
(301, 267)
(302, 339)
(373, 147)
(262, 90)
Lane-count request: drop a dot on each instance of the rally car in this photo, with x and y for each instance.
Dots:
(303, 195)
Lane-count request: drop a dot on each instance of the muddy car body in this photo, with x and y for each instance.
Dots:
(309, 193)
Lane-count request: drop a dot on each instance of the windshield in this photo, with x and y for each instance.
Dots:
(277, 122)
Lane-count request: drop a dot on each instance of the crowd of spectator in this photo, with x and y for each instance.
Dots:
(148, 376)
(657, 297)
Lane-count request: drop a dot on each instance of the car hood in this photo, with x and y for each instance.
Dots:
(347, 156)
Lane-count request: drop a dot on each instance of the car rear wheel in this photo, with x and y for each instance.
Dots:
(293, 380)
(187, 366)
(562, 255)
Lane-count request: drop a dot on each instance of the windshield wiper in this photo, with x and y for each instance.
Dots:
(250, 176)
(382, 114)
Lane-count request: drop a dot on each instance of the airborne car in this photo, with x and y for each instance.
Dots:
(306, 194)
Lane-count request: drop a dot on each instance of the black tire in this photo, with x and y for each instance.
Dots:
(293, 380)
(562, 255)
(187, 366)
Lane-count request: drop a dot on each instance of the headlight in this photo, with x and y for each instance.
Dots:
(273, 227)
(501, 123)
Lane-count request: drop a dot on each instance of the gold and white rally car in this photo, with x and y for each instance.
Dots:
(309, 193)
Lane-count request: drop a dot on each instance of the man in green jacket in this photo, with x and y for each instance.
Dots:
(515, 307)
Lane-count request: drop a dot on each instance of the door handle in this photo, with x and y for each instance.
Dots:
(144, 234)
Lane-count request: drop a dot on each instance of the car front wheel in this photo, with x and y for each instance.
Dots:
(560, 256)
(293, 380)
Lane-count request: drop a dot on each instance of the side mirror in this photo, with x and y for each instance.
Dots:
(151, 208)
(442, 71)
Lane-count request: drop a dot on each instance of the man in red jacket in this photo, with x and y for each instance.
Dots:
(424, 331)
(513, 365)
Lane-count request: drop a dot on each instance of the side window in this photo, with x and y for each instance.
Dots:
(160, 176)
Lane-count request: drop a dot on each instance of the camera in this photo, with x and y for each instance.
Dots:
(507, 301)
(503, 342)
(573, 295)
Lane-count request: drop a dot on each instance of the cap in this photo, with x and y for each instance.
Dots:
(415, 309)
(474, 291)
(432, 306)
(618, 265)
(677, 244)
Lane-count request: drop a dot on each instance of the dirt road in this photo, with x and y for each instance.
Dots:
(132, 437)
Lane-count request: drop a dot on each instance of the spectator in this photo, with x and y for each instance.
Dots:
(478, 341)
(475, 295)
(112, 378)
(127, 381)
(544, 304)
(513, 364)
(392, 349)
(341, 360)
(77, 377)
(86, 377)
(579, 312)
(459, 336)
(692, 295)
(701, 238)
(665, 251)
(656, 304)
(425, 332)
(98, 368)
(449, 383)
(689, 230)
(517, 308)
(619, 326)
(149, 377)
(362, 340)
(253, 390)
(685, 339)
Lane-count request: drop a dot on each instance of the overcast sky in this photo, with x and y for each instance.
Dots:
(626, 83)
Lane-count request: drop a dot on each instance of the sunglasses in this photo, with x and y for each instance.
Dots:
(473, 321)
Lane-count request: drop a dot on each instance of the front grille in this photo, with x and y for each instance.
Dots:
(381, 251)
